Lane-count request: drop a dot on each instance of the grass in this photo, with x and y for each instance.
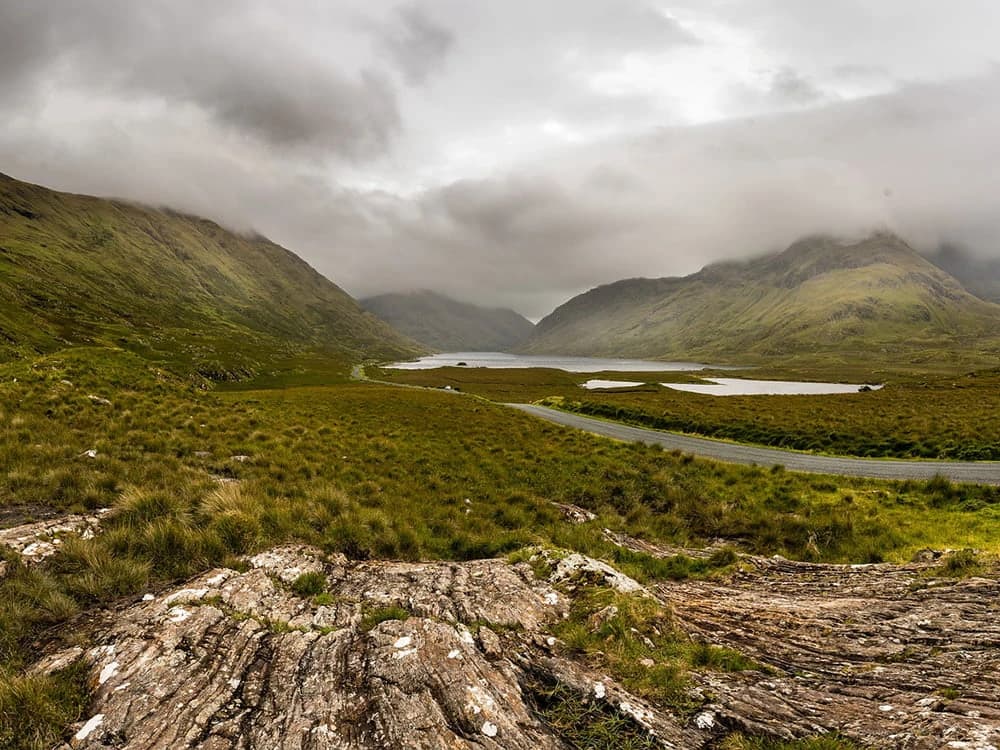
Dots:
(960, 564)
(373, 617)
(379, 472)
(618, 632)
(916, 415)
(586, 724)
(309, 584)
(831, 741)
(35, 708)
(173, 288)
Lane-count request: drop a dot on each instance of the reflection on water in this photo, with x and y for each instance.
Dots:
(741, 387)
(598, 383)
(521, 361)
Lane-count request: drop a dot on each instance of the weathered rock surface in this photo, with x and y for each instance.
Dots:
(36, 541)
(236, 660)
(884, 654)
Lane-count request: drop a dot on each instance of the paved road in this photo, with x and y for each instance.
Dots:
(978, 472)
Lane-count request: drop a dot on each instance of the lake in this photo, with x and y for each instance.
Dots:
(597, 384)
(742, 387)
(522, 361)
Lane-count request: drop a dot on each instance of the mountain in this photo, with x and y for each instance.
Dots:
(446, 324)
(819, 295)
(980, 276)
(81, 270)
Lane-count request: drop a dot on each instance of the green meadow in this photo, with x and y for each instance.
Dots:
(198, 476)
(916, 415)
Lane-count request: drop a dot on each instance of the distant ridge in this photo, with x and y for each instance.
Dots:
(818, 296)
(449, 325)
(980, 276)
(81, 270)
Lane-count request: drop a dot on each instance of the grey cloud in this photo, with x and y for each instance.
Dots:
(791, 86)
(626, 27)
(252, 116)
(672, 202)
(857, 71)
(241, 68)
(663, 204)
(417, 44)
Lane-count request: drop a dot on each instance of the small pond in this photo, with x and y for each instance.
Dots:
(744, 387)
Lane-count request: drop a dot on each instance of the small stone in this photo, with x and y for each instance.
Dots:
(647, 663)
(92, 723)
(100, 401)
(705, 720)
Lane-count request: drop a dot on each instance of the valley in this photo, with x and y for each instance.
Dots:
(919, 415)
(564, 375)
(208, 455)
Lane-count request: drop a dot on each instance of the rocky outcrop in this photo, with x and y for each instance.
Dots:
(36, 541)
(238, 660)
(889, 655)
(450, 655)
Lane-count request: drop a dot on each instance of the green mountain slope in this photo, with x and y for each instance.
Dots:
(82, 270)
(446, 324)
(875, 297)
(981, 276)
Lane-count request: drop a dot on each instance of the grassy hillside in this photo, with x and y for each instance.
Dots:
(820, 296)
(981, 276)
(372, 472)
(82, 270)
(446, 324)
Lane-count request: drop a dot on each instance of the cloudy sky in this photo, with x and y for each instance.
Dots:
(517, 152)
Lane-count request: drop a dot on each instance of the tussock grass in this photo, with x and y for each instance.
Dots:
(380, 472)
(34, 709)
(915, 416)
(960, 564)
(309, 584)
(373, 617)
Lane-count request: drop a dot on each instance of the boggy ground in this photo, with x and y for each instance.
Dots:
(200, 480)
(916, 415)
(303, 650)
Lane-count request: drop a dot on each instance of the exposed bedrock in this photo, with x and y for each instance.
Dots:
(884, 654)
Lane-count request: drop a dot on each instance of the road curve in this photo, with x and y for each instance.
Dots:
(975, 472)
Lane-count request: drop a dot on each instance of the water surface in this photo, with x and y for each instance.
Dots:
(597, 383)
(522, 361)
(742, 387)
